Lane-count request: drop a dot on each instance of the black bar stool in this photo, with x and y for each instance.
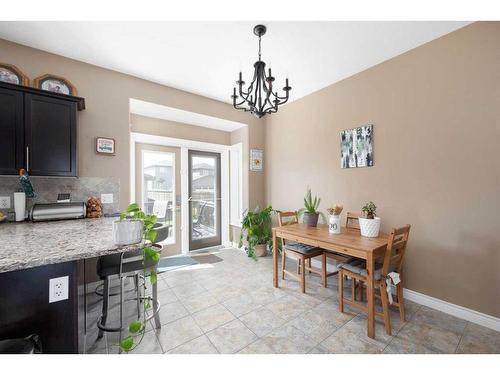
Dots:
(121, 266)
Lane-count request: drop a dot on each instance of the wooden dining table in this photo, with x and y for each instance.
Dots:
(348, 242)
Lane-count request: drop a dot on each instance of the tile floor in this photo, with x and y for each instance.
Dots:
(230, 306)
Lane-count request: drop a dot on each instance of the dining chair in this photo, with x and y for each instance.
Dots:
(392, 262)
(298, 251)
(351, 222)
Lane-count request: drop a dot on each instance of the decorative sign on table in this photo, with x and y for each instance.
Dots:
(256, 160)
(105, 146)
(356, 147)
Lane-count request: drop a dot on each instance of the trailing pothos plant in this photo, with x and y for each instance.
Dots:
(137, 328)
(256, 229)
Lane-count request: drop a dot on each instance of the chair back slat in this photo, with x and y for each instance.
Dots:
(287, 218)
(396, 247)
(352, 220)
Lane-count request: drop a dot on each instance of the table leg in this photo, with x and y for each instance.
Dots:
(275, 261)
(370, 267)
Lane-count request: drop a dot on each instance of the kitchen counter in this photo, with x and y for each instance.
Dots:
(27, 245)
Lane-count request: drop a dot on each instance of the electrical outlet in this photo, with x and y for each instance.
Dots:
(4, 202)
(58, 289)
(106, 198)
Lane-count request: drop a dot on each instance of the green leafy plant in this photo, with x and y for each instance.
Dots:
(256, 229)
(137, 328)
(311, 205)
(370, 210)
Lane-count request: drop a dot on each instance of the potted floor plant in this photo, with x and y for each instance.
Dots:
(310, 210)
(256, 231)
(370, 224)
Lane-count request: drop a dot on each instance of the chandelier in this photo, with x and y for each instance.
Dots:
(259, 98)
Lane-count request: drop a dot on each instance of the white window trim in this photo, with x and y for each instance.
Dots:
(237, 149)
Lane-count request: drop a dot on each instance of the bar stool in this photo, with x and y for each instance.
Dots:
(122, 266)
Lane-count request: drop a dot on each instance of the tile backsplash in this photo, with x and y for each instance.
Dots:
(47, 189)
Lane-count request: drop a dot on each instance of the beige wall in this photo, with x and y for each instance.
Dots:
(107, 96)
(436, 116)
(155, 126)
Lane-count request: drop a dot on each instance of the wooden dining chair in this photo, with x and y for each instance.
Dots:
(352, 222)
(392, 262)
(298, 251)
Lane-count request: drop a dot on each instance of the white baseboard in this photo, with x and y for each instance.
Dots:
(452, 309)
(461, 312)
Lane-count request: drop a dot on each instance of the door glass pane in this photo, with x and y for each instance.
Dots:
(159, 187)
(204, 196)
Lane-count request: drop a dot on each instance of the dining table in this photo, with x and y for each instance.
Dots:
(348, 242)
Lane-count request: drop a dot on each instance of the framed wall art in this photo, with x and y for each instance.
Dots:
(356, 147)
(105, 146)
(256, 160)
(12, 74)
(52, 83)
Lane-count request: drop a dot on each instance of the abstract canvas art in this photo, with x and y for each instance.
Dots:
(356, 147)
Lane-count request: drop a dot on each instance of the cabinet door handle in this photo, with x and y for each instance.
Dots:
(27, 159)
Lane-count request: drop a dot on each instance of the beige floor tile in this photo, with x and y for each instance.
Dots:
(288, 340)
(148, 345)
(200, 345)
(432, 337)
(288, 307)
(403, 346)
(172, 311)
(345, 341)
(199, 302)
(359, 326)
(478, 339)
(439, 319)
(261, 321)
(257, 347)
(241, 304)
(231, 337)
(178, 332)
(317, 327)
(223, 293)
(318, 350)
(213, 317)
(184, 291)
(167, 296)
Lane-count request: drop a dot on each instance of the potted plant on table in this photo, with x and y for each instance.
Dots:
(334, 219)
(310, 210)
(256, 231)
(370, 224)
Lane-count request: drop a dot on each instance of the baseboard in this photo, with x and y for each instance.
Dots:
(461, 312)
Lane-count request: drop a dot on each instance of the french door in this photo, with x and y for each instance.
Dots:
(204, 177)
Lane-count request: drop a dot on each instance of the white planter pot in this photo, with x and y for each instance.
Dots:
(369, 227)
(127, 232)
(334, 224)
(20, 205)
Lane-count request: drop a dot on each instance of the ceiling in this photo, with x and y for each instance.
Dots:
(205, 57)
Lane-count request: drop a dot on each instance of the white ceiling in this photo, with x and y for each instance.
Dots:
(205, 57)
(140, 107)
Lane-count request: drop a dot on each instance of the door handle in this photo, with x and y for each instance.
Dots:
(27, 158)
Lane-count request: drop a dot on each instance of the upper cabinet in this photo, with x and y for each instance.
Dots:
(38, 131)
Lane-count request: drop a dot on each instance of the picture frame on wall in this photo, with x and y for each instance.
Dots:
(53, 83)
(256, 160)
(356, 147)
(12, 74)
(105, 146)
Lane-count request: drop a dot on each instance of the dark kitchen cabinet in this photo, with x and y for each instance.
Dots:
(11, 131)
(38, 131)
(50, 136)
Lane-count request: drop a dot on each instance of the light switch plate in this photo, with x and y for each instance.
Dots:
(4, 202)
(58, 289)
(106, 198)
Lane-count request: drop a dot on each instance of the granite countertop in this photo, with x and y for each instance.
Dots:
(26, 245)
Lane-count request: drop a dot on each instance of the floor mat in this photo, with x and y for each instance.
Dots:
(172, 263)
(206, 258)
